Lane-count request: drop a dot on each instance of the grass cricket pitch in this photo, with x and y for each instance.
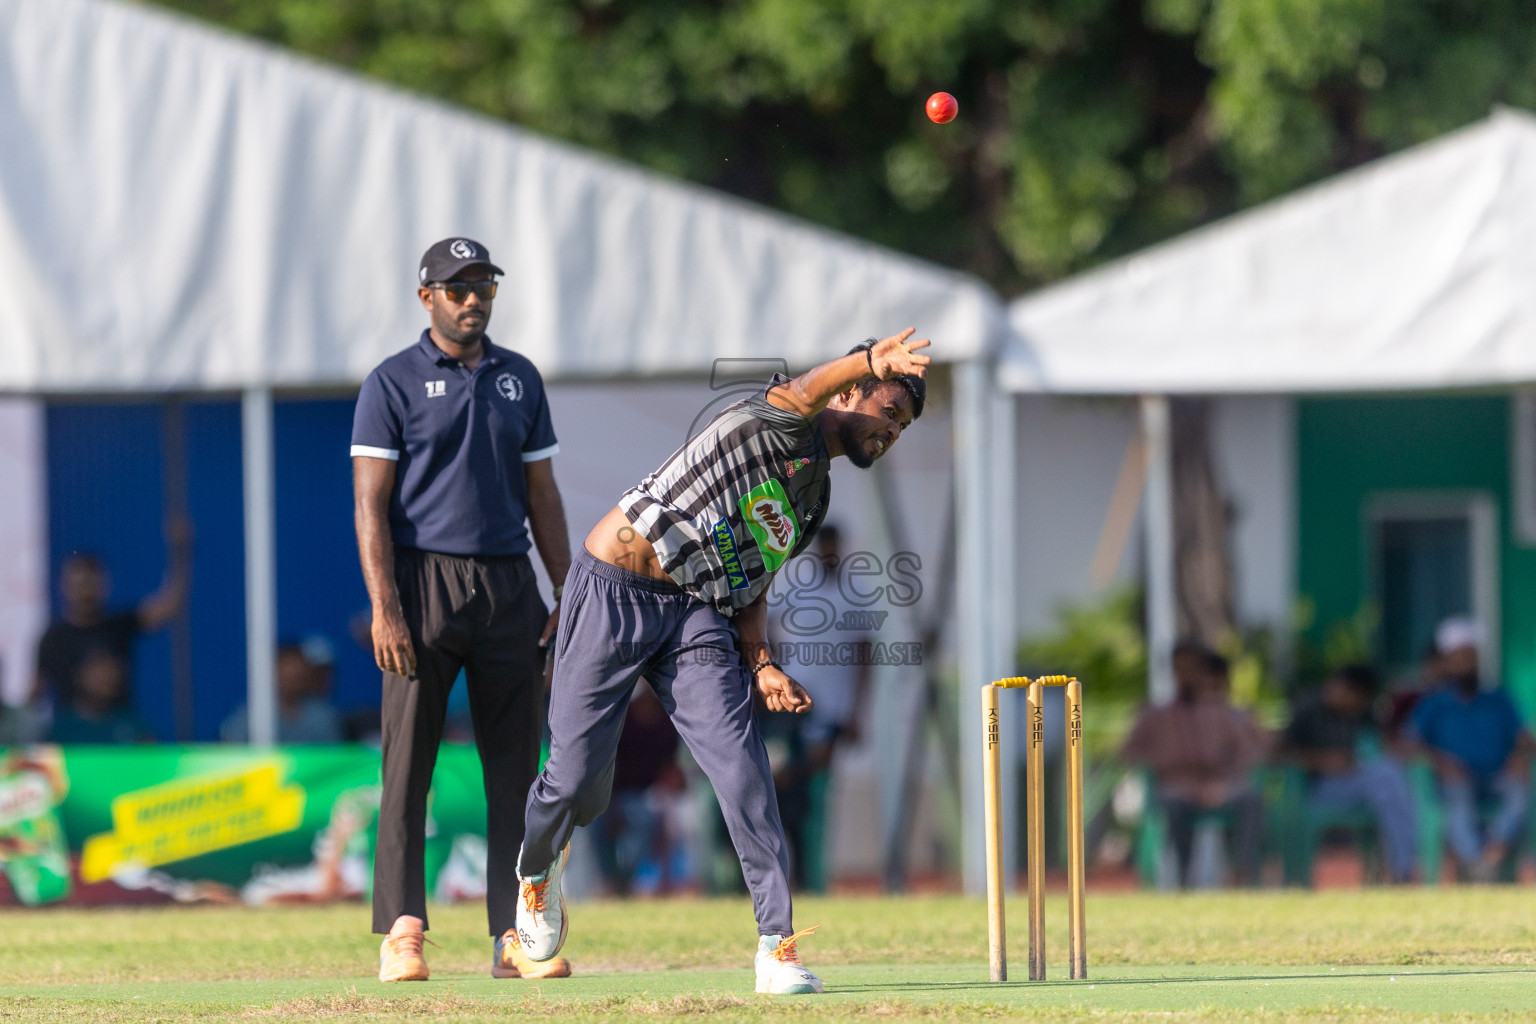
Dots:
(1383, 955)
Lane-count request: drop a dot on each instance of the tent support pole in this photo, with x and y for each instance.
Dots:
(1162, 597)
(975, 417)
(1005, 520)
(260, 566)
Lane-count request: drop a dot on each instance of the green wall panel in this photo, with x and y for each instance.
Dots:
(1349, 449)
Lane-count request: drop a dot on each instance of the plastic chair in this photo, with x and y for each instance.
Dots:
(1431, 821)
(1152, 843)
(1302, 826)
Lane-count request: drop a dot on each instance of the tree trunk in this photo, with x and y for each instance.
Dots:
(1201, 516)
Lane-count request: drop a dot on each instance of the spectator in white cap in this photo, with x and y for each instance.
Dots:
(1480, 749)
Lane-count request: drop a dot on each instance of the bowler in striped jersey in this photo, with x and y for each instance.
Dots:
(671, 585)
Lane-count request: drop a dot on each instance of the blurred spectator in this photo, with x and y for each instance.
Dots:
(840, 688)
(1334, 737)
(1480, 749)
(304, 711)
(633, 834)
(784, 736)
(18, 725)
(98, 710)
(1403, 699)
(363, 725)
(12, 726)
(1201, 752)
(87, 624)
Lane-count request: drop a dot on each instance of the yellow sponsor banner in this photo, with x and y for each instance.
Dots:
(188, 817)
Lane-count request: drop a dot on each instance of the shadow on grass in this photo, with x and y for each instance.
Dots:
(992, 986)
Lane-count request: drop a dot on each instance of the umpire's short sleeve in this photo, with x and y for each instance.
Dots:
(540, 443)
(376, 432)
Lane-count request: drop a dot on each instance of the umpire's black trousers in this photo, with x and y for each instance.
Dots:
(483, 615)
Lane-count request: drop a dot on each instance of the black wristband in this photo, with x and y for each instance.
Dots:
(759, 667)
(868, 346)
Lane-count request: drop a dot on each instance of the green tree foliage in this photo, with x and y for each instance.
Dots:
(1087, 128)
(1099, 640)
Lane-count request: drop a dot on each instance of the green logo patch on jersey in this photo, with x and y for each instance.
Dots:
(771, 520)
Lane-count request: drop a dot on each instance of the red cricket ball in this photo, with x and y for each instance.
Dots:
(942, 108)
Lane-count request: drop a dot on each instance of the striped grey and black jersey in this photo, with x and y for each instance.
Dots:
(738, 500)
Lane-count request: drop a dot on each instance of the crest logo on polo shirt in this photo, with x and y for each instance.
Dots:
(463, 249)
(510, 387)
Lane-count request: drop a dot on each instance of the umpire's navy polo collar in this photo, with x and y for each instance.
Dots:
(490, 356)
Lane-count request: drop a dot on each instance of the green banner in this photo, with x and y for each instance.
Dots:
(203, 813)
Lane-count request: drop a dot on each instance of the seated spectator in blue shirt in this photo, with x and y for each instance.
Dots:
(1480, 749)
(1334, 736)
(96, 712)
(304, 714)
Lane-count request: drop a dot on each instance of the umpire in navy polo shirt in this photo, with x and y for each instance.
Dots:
(451, 451)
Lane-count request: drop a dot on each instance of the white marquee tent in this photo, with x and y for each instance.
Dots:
(1412, 273)
(219, 214)
(185, 210)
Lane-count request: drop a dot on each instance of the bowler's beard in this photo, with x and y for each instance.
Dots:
(853, 444)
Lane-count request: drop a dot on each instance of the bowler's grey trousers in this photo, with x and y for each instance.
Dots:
(616, 626)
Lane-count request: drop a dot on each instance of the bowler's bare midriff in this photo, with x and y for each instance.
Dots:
(615, 541)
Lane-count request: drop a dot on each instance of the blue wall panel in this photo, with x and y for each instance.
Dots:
(319, 583)
(106, 472)
(105, 497)
(215, 503)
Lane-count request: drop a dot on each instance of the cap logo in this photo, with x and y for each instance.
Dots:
(463, 250)
(423, 275)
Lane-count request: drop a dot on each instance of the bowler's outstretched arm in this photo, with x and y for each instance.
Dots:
(887, 359)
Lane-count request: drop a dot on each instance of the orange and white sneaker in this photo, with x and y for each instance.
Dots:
(400, 954)
(541, 920)
(779, 970)
(509, 961)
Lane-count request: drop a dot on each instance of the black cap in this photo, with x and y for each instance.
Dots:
(452, 255)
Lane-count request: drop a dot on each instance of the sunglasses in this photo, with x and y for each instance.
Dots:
(458, 291)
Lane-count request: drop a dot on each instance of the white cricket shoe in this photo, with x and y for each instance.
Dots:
(779, 970)
(541, 920)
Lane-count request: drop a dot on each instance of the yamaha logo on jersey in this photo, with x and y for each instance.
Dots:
(510, 387)
(463, 249)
